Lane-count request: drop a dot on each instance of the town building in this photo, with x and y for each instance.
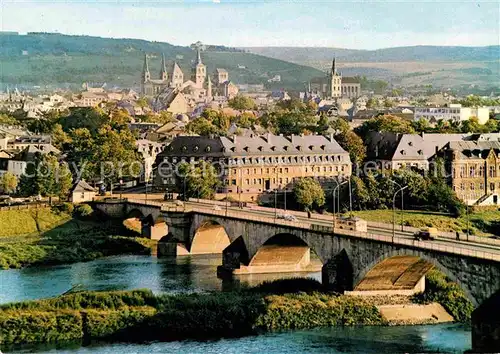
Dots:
(474, 170)
(453, 112)
(255, 164)
(393, 151)
(200, 86)
(82, 192)
(334, 85)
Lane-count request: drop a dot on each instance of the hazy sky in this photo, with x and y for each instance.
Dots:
(347, 24)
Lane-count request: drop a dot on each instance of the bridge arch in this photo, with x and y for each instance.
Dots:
(282, 253)
(210, 237)
(402, 263)
(135, 214)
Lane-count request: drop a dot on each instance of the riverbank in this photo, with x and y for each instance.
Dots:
(60, 235)
(141, 316)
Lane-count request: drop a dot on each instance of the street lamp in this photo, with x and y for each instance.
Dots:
(275, 203)
(401, 189)
(338, 201)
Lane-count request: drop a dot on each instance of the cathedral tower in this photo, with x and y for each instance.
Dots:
(199, 72)
(335, 82)
(163, 72)
(146, 76)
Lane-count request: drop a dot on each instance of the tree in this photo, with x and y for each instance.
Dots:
(352, 143)
(308, 193)
(200, 180)
(385, 123)
(371, 103)
(46, 176)
(8, 183)
(360, 194)
(242, 103)
(60, 139)
(388, 103)
(7, 119)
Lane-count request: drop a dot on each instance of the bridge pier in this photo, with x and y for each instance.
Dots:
(337, 273)
(486, 326)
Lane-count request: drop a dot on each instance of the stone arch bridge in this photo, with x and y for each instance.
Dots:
(346, 256)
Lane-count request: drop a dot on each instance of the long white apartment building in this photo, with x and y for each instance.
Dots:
(454, 112)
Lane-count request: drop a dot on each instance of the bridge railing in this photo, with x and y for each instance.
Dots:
(430, 245)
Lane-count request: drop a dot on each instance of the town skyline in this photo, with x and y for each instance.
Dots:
(367, 25)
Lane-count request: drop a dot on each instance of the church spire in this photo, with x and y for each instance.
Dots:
(334, 70)
(145, 70)
(198, 59)
(163, 72)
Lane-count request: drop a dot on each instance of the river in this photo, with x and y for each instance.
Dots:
(198, 273)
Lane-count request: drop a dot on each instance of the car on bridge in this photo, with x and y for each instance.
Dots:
(288, 217)
(428, 233)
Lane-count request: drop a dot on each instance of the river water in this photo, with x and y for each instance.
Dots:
(198, 273)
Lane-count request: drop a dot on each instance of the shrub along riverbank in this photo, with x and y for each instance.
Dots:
(441, 290)
(54, 236)
(139, 315)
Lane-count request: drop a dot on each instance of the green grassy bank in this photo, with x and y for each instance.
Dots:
(139, 315)
(58, 235)
(484, 223)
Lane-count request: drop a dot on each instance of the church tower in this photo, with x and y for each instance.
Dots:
(199, 72)
(209, 88)
(335, 82)
(146, 76)
(177, 78)
(163, 72)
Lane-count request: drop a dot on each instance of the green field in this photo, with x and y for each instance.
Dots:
(61, 238)
(32, 221)
(484, 223)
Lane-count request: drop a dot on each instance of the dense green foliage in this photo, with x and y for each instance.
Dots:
(294, 311)
(139, 315)
(241, 102)
(308, 193)
(46, 177)
(8, 183)
(198, 181)
(438, 288)
(372, 191)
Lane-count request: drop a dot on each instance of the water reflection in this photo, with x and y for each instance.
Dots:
(168, 275)
(444, 338)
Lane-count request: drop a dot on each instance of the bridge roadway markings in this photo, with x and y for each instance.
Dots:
(478, 247)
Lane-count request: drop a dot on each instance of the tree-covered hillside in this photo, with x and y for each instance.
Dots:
(51, 59)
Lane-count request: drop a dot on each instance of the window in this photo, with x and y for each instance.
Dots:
(492, 187)
(492, 171)
(481, 186)
(462, 171)
(462, 186)
(286, 170)
(481, 171)
(472, 186)
(472, 171)
(247, 181)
